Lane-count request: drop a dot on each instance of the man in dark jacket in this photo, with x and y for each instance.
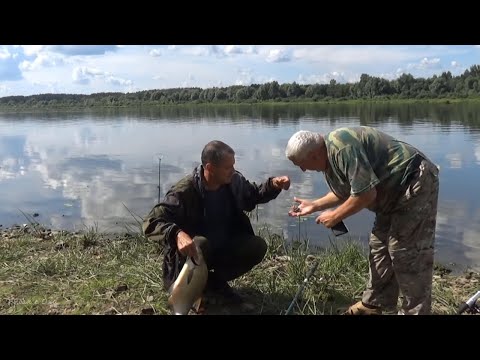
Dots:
(208, 206)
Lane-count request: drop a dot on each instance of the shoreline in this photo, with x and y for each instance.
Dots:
(294, 102)
(17, 230)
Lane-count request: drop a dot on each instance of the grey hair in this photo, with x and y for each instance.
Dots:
(214, 152)
(302, 143)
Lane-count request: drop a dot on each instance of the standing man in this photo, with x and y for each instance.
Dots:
(208, 206)
(366, 168)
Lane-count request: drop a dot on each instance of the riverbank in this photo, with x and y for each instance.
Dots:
(46, 271)
(296, 102)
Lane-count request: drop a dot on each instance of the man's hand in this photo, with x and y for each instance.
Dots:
(186, 246)
(281, 182)
(302, 208)
(327, 218)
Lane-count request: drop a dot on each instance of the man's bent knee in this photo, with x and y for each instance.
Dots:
(202, 243)
(260, 250)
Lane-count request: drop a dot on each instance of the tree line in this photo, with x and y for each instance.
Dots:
(406, 86)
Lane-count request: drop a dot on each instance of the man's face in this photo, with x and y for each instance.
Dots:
(312, 162)
(224, 171)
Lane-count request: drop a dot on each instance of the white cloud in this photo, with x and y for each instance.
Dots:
(246, 76)
(321, 79)
(83, 75)
(118, 81)
(201, 50)
(42, 60)
(30, 50)
(389, 76)
(233, 49)
(425, 63)
(278, 55)
(155, 52)
(198, 51)
(4, 53)
(350, 55)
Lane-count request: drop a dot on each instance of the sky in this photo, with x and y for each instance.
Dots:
(87, 69)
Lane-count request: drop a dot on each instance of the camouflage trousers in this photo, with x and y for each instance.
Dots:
(402, 247)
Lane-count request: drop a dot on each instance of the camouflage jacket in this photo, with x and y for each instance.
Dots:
(362, 158)
(183, 209)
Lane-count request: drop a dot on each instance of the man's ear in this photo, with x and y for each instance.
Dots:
(209, 166)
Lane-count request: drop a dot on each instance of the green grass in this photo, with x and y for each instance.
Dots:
(95, 273)
(89, 273)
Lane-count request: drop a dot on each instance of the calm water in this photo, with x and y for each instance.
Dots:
(78, 169)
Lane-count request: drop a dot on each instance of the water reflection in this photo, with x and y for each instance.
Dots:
(81, 168)
(404, 115)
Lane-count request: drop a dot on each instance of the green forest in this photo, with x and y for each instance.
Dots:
(466, 85)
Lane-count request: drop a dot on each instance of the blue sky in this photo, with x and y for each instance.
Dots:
(87, 69)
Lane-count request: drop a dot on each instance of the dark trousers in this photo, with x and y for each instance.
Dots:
(236, 257)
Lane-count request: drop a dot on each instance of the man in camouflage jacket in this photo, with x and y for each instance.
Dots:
(366, 168)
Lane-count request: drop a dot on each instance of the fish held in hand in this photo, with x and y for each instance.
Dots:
(186, 292)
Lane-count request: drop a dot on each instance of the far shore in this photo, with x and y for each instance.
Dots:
(48, 108)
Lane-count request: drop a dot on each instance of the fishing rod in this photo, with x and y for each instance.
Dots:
(309, 274)
(301, 287)
(470, 305)
(159, 165)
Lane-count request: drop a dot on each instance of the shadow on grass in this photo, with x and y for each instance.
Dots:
(336, 303)
(255, 302)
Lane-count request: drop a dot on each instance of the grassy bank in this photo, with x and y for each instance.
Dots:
(75, 108)
(58, 272)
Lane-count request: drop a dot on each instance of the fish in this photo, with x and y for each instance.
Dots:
(187, 290)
